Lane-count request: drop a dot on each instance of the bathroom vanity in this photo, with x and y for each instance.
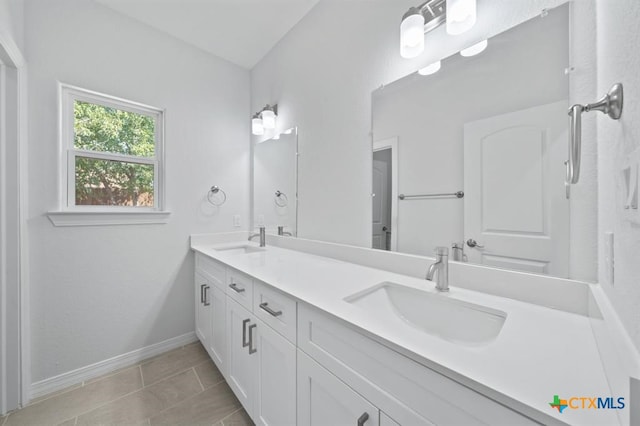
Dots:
(307, 339)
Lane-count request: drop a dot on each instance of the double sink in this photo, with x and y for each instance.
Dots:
(433, 313)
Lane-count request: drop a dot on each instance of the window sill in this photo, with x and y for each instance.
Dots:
(85, 218)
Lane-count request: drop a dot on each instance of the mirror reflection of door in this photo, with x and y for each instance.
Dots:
(516, 213)
(381, 199)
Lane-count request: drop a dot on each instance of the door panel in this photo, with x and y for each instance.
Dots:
(380, 200)
(515, 204)
(324, 400)
(276, 395)
(241, 366)
(218, 337)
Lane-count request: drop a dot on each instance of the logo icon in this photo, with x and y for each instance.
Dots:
(558, 404)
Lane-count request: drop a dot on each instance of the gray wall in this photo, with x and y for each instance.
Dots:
(99, 292)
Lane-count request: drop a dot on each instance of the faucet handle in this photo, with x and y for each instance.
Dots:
(442, 251)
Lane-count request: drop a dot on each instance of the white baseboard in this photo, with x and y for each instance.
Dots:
(82, 374)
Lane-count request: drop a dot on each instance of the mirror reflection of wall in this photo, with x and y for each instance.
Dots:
(275, 183)
(493, 126)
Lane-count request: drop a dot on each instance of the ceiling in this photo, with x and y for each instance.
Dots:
(240, 31)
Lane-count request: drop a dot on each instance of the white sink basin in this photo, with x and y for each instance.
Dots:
(436, 314)
(243, 248)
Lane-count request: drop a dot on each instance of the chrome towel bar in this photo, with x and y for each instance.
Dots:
(458, 194)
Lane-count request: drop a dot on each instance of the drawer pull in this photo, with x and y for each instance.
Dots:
(363, 418)
(202, 286)
(265, 307)
(252, 350)
(235, 288)
(245, 342)
(206, 296)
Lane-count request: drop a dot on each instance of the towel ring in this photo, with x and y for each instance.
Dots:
(216, 196)
(281, 199)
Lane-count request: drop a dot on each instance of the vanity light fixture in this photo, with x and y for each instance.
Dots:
(257, 127)
(264, 120)
(475, 49)
(269, 117)
(459, 16)
(412, 33)
(430, 69)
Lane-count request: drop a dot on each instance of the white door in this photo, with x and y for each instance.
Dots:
(218, 336)
(241, 364)
(325, 400)
(276, 380)
(380, 199)
(515, 205)
(203, 311)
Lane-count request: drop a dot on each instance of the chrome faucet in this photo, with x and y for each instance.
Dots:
(262, 235)
(440, 268)
(283, 233)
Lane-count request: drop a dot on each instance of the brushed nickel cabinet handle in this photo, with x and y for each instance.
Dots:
(265, 307)
(245, 342)
(235, 288)
(202, 286)
(362, 419)
(206, 296)
(252, 350)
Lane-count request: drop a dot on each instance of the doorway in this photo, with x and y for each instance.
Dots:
(384, 194)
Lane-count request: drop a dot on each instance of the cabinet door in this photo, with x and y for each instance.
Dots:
(203, 309)
(325, 400)
(242, 366)
(276, 394)
(218, 337)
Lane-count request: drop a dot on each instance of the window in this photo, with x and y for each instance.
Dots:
(111, 153)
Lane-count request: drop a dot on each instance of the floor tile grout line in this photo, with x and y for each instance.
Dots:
(76, 422)
(108, 402)
(167, 377)
(187, 399)
(139, 390)
(198, 377)
(229, 415)
(141, 375)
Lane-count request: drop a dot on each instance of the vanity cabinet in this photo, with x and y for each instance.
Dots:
(261, 368)
(203, 309)
(325, 400)
(210, 312)
(290, 363)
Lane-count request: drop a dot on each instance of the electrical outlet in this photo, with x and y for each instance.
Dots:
(236, 221)
(609, 258)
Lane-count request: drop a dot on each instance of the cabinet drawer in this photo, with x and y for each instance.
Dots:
(213, 269)
(240, 288)
(410, 393)
(275, 309)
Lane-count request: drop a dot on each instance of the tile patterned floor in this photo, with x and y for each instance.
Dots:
(179, 387)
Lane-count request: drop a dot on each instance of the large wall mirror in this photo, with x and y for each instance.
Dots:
(275, 183)
(472, 157)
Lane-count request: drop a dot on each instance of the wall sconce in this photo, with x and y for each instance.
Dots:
(264, 120)
(459, 16)
(257, 127)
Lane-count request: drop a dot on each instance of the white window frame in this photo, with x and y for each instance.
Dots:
(72, 214)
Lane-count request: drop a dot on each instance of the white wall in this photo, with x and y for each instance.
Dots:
(12, 20)
(618, 39)
(519, 69)
(97, 292)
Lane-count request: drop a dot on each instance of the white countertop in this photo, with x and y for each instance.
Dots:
(540, 352)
